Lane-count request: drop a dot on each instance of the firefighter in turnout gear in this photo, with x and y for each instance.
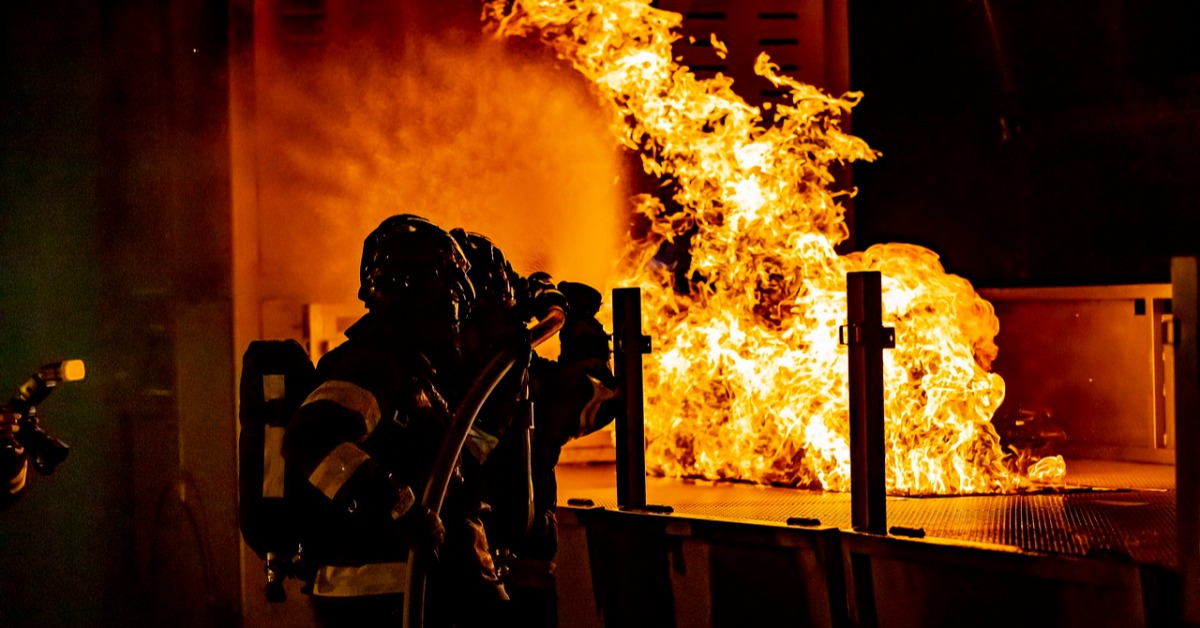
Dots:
(361, 445)
(520, 433)
(576, 395)
(496, 321)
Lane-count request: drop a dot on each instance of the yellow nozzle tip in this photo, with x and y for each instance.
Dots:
(73, 370)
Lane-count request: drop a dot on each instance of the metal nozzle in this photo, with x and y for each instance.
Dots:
(65, 371)
(72, 370)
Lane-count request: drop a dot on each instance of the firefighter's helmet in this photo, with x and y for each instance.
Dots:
(409, 262)
(491, 274)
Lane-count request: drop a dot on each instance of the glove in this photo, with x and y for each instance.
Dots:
(583, 299)
(8, 423)
(12, 457)
(422, 529)
(582, 336)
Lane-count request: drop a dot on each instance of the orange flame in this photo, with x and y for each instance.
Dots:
(748, 380)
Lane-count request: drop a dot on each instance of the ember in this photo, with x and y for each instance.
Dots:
(748, 381)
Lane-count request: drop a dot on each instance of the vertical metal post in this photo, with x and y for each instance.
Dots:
(866, 339)
(628, 346)
(1185, 309)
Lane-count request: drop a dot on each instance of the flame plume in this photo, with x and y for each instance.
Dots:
(748, 381)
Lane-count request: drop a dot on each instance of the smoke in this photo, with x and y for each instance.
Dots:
(479, 136)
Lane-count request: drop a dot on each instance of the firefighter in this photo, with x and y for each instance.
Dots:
(498, 321)
(361, 445)
(574, 395)
(13, 461)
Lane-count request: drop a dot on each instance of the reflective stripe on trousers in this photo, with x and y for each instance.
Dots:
(370, 579)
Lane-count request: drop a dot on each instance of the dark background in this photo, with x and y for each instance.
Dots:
(1055, 144)
(114, 248)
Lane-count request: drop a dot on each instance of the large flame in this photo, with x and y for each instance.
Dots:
(748, 380)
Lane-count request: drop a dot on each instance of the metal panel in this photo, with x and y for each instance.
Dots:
(806, 38)
(577, 604)
(1093, 359)
(1187, 404)
(652, 570)
(898, 583)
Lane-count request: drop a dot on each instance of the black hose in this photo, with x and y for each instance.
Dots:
(464, 419)
(456, 437)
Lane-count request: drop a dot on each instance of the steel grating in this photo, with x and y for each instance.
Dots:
(1135, 522)
(1114, 474)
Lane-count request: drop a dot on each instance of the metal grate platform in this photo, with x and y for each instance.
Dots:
(1137, 521)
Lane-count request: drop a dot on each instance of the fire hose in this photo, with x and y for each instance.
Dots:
(456, 437)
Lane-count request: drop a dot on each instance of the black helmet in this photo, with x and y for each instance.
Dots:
(412, 263)
(491, 274)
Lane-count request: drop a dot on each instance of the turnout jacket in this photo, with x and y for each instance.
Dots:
(359, 451)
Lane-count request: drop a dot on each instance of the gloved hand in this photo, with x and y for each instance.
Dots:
(422, 529)
(583, 299)
(12, 458)
(8, 423)
(582, 336)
